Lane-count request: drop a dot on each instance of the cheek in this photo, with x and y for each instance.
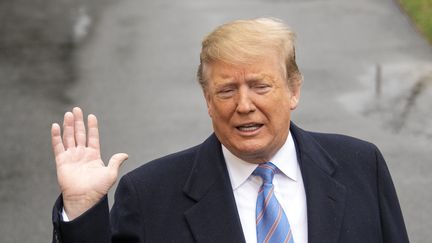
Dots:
(222, 110)
(211, 107)
(278, 113)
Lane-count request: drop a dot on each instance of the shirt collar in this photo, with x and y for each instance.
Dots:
(285, 160)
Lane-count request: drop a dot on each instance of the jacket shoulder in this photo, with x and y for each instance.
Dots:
(338, 142)
(171, 165)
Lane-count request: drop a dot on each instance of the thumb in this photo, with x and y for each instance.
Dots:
(116, 161)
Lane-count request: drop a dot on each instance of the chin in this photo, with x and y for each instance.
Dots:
(252, 153)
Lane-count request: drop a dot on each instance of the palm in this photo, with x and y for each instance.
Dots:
(82, 175)
(81, 170)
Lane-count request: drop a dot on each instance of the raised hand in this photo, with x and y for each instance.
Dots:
(82, 175)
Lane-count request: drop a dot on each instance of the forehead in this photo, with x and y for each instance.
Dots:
(264, 68)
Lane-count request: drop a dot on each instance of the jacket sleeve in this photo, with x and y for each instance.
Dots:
(392, 222)
(127, 221)
(96, 224)
(91, 226)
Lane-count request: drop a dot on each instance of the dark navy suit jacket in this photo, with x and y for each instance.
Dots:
(187, 197)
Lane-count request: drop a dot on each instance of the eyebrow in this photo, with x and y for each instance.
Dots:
(252, 78)
(259, 77)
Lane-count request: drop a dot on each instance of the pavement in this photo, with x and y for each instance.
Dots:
(367, 74)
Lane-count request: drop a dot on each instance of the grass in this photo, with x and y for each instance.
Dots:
(420, 12)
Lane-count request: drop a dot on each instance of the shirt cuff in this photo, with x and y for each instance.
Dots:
(64, 216)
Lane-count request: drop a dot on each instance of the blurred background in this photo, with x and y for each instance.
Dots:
(367, 67)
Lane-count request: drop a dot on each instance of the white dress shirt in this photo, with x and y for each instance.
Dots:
(288, 189)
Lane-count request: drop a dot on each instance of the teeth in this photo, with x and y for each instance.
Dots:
(249, 128)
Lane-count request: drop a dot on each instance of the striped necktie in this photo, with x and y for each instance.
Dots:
(271, 221)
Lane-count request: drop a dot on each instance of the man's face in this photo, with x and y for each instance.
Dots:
(250, 107)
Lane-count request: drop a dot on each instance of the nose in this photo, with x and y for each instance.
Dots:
(245, 104)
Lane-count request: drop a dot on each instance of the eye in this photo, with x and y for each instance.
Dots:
(261, 88)
(226, 92)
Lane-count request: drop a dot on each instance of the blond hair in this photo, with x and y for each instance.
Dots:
(242, 42)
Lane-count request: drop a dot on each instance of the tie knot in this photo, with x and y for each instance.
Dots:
(266, 171)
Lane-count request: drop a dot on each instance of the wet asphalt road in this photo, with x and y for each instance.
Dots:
(136, 72)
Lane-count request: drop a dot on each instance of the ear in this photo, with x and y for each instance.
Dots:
(295, 96)
(208, 102)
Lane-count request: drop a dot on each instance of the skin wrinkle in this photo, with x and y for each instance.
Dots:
(245, 42)
(257, 94)
(246, 59)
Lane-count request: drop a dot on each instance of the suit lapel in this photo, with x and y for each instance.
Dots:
(214, 217)
(325, 196)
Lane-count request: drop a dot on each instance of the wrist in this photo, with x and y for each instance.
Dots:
(74, 206)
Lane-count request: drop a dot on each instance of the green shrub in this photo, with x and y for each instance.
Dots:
(421, 13)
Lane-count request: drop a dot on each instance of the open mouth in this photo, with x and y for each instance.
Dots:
(249, 127)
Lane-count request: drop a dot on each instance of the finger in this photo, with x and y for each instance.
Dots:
(68, 130)
(93, 132)
(80, 132)
(116, 161)
(56, 140)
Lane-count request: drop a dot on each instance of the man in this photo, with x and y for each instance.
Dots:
(258, 178)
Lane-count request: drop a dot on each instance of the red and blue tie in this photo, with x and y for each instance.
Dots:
(271, 221)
